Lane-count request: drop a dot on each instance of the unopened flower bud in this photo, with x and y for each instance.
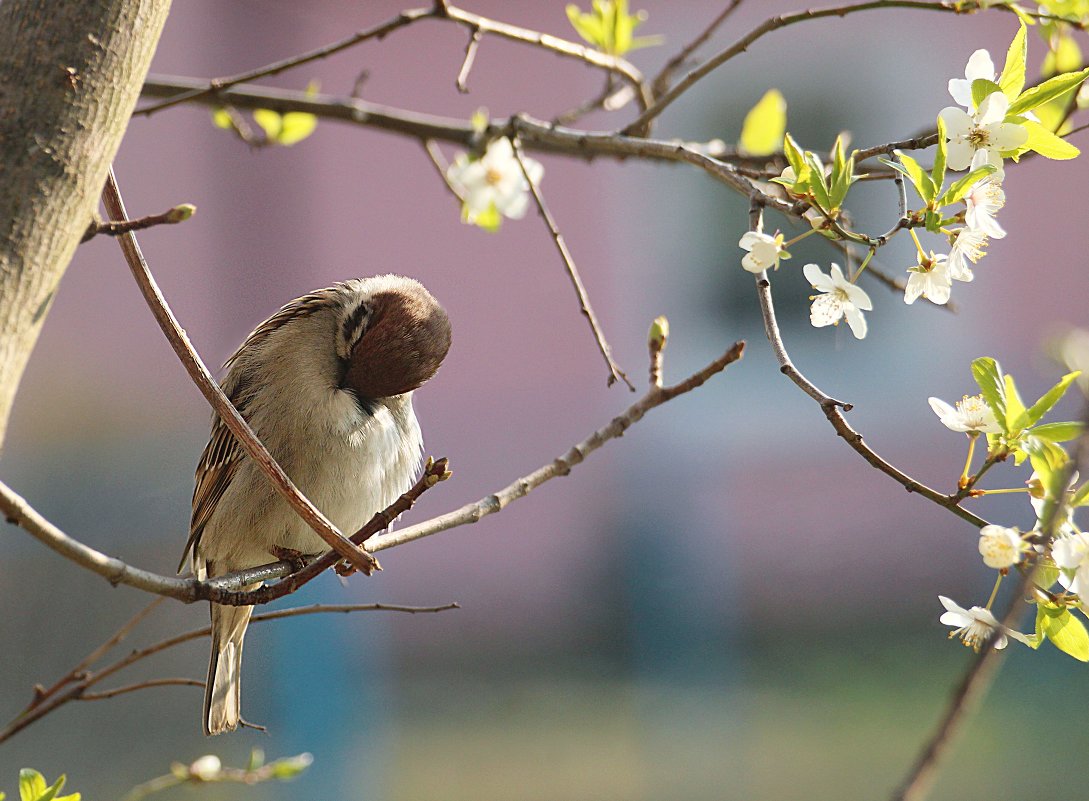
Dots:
(659, 333)
(180, 213)
(206, 768)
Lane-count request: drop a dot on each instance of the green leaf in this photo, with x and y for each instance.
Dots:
(1048, 144)
(587, 26)
(1046, 573)
(919, 179)
(1058, 432)
(270, 121)
(221, 118)
(295, 127)
(981, 88)
(1050, 398)
(794, 155)
(1065, 631)
(489, 220)
(818, 184)
(937, 174)
(1064, 55)
(988, 375)
(764, 126)
(1081, 497)
(290, 767)
(962, 186)
(1012, 79)
(31, 785)
(1048, 90)
(1015, 407)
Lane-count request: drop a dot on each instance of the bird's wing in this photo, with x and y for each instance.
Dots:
(218, 464)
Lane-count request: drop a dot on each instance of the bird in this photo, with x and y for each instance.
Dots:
(326, 383)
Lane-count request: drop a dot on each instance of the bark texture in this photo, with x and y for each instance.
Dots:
(70, 75)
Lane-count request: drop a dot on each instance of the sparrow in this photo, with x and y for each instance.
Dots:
(326, 383)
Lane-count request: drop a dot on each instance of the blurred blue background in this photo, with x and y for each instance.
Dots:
(726, 603)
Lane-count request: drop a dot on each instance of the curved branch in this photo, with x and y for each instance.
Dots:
(833, 409)
(241, 430)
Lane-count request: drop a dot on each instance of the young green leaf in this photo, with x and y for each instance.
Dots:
(31, 785)
(937, 174)
(981, 88)
(1081, 497)
(296, 126)
(1058, 432)
(1012, 79)
(1048, 90)
(960, 188)
(818, 184)
(1064, 55)
(919, 179)
(1048, 144)
(1015, 407)
(1065, 631)
(988, 374)
(1046, 573)
(1050, 398)
(764, 126)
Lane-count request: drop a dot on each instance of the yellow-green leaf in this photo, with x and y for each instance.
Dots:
(1048, 144)
(221, 118)
(31, 784)
(765, 124)
(1048, 90)
(270, 121)
(1012, 80)
(296, 126)
(1064, 56)
(1065, 631)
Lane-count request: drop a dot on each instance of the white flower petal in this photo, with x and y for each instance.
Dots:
(961, 92)
(750, 238)
(979, 66)
(1007, 135)
(818, 279)
(993, 108)
(826, 310)
(856, 321)
(957, 122)
(958, 154)
(857, 295)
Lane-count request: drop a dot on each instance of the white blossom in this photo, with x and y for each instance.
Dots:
(1071, 555)
(970, 416)
(979, 66)
(982, 202)
(969, 246)
(976, 625)
(206, 768)
(984, 131)
(764, 251)
(929, 279)
(1000, 547)
(495, 179)
(840, 298)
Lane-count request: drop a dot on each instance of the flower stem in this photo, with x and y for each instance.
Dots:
(918, 244)
(799, 237)
(1003, 491)
(994, 592)
(862, 266)
(972, 436)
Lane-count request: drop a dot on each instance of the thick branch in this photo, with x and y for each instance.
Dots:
(313, 517)
(70, 76)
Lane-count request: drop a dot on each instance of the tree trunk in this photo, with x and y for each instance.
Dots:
(70, 75)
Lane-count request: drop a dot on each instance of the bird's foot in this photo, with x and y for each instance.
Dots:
(297, 559)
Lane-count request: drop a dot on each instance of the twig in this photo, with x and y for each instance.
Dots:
(572, 271)
(980, 672)
(534, 134)
(216, 85)
(441, 166)
(662, 79)
(573, 115)
(322, 526)
(767, 26)
(79, 690)
(833, 409)
(561, 466)
(76, 673)
(140, 685)
(467, 64)
(172, 217)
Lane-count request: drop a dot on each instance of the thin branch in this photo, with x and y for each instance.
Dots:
(833, 409)
(561, 466)
(534, 134)
(980, 673)
(572, 271)
(90, 679)
(313, 517)
(466, 65)
(662, 79)
(441, 166)
(172, 217)
(140, 685)
(216, 85)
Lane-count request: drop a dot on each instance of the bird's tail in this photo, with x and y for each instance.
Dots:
(222, 691)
